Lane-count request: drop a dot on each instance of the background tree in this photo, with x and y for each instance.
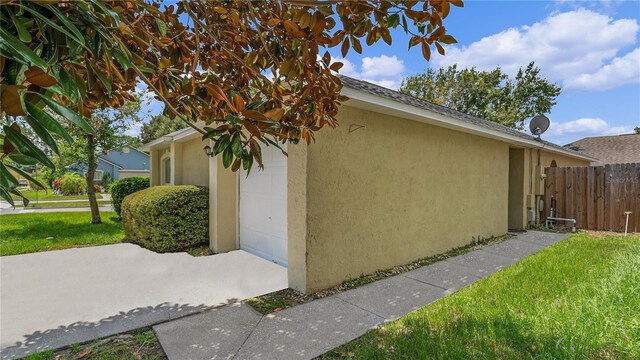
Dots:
(205, 60)
(158, 126)
(637, 129)
(490, 95)
(110, 126)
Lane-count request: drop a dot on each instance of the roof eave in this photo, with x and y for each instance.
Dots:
(159, 143)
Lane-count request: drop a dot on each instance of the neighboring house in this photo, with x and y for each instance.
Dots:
(121, 163)
(400, 179)
(616, 149)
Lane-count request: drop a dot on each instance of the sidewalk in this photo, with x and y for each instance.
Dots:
(105, 197)
(309, 330)
(6, 208)
(20, 210)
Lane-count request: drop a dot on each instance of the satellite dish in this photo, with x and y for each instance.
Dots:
(125, 149)
(538, 125)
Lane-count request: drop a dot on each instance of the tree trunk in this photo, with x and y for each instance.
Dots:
(92, 164)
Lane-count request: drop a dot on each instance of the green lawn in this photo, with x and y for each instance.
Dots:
(579, 299)
(65, 204)
(27, 233)
(140, 345)
(49, 196)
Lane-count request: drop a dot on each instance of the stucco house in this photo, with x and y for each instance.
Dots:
(616, 149)
(120, 163)
(400, 179)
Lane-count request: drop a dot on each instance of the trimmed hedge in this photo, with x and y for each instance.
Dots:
(167, 218)
(121, 188)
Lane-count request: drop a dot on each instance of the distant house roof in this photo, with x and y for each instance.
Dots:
(617, 149)
(100, 158)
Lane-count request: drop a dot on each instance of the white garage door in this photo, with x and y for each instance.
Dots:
(263, 208)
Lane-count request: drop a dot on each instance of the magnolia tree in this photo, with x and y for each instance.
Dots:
(256, 72)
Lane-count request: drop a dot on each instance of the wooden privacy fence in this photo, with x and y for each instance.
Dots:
(596, 196)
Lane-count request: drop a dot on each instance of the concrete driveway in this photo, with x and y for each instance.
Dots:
(57, 298)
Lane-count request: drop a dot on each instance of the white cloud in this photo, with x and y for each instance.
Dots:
(568, 131)
(382, 66)
(382, 70)
(621, 71)
(134, 129)
(566, 46)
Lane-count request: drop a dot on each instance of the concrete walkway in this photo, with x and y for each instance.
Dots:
(20, 210)
(57, 298)
(309, 330)
(6, 208)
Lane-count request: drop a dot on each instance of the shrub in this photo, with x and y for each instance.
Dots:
(124, 187)
(56, 184)
(167, 218)
(72, 184)
(106, 180)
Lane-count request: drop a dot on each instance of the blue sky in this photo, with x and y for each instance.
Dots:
(590, 48)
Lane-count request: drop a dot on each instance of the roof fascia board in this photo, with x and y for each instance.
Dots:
(109, 162)
(157, 143)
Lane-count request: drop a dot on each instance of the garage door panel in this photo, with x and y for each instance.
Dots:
(273, 222)
(263, 208)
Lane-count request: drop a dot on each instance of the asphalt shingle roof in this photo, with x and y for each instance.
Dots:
(618, 149)
(442, 110)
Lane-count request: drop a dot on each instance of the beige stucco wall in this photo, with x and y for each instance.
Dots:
(194, 162)
(517, 179)
(189, 164)
(561, 160)
(123, 174)
(223, 209)
(154, 166)
(391, 193)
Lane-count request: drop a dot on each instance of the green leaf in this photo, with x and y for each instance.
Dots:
(12, 48)
(68, 84)
(25, 146)
(103, 79)
(68, 114)
(79, 39)
(47, 121)
(22, 159)
(161, 26)
(211, 133)
(4, 193)
(42, 133)
(6, 177)
(393, 21)
(122, 59)
(23, 33)
(227, 157)
(254, 105)
(17, 192)
(26, 176)
(221, 145)
(54, 9)
(247, 161)
(236, 145)
(106, 10)
(146, 69)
